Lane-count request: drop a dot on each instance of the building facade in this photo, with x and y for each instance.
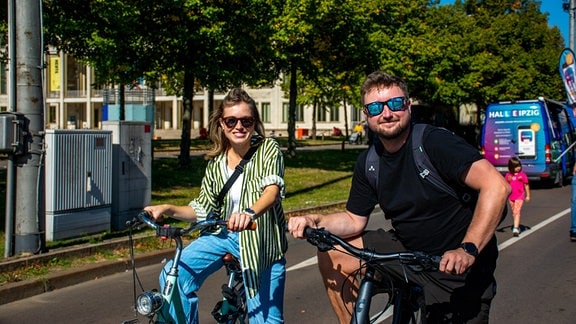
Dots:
(73, 102)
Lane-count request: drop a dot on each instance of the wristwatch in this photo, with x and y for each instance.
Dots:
(470, 248)
(250, 213)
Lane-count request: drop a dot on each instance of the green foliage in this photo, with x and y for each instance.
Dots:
(471, 51)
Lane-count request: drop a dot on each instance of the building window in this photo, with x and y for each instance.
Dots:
(321, 114)
(335, 114)
(3, 77)
(299, 112)
(52, 114)
(285, 107)
(76, 80)
(357, 114)
(265, 112)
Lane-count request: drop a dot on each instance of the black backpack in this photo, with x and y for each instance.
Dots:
(426, 169)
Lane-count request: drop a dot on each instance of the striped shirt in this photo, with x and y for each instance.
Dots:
(268, 243)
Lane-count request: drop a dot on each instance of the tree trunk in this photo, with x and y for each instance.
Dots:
(314, 109)
(188, 95)
(346, 126)
(291, 152)
(210, 104)
(122, 101)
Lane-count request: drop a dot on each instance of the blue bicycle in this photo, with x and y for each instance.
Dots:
(156, 305)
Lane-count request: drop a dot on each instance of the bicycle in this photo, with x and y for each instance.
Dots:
(155, 305)
(406, 297)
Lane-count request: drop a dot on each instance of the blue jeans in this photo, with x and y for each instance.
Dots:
(203, 257)
(573, 205)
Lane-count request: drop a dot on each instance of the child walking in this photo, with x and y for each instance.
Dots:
(518, 181)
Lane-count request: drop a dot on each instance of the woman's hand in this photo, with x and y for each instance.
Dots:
(157, 212)
(239, 222)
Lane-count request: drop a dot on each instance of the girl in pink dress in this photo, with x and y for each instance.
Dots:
(518, 181)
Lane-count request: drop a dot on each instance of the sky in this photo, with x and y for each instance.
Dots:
(556, 15)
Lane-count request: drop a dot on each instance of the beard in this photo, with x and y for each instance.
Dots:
(392, 133)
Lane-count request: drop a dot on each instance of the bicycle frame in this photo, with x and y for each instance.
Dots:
(154, 304)
(407, 298)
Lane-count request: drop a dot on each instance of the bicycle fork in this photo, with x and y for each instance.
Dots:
(362, 308)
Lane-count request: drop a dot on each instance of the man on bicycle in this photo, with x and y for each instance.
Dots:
(424, 218)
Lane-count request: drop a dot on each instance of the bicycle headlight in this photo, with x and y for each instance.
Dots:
(149, 303)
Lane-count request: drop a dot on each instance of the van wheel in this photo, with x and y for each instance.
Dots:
(559, 179)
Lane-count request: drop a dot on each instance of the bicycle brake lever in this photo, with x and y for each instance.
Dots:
(322, 246)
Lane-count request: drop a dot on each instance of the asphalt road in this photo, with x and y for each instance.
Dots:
(536, 279)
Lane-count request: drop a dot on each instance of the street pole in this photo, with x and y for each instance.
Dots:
(569, 6)
(571, 30)
(29, 212)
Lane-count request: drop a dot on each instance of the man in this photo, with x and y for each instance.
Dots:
(424, 217)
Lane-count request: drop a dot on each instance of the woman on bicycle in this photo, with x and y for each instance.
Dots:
(255, 196)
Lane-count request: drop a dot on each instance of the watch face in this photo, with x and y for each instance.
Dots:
(470, 248)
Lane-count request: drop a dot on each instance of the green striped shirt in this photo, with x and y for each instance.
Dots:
(268, 243)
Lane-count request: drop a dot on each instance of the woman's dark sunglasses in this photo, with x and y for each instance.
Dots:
(230, 122)
(394, 104)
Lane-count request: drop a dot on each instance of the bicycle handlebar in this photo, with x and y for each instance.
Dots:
(325, 241)
(173, 231)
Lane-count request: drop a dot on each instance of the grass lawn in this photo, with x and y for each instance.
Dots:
(313, 178)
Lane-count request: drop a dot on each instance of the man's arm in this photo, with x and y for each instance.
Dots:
(344, 224)
(493, 192)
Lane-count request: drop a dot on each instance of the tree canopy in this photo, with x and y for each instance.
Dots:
(468, 52)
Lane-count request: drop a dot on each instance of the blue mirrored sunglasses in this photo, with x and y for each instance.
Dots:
(394, 104)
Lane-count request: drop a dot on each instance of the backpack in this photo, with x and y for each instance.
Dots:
(426, 169)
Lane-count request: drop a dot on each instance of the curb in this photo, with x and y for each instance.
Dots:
(28, 288)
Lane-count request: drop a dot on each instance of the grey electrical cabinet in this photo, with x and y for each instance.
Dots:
(132, 169)
(78, 186)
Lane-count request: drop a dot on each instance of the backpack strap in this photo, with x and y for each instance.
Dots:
(372, 167)
(426, 169)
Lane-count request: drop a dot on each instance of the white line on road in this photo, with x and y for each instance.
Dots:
(303, 264)
(505, 244)
(540, 225)
(502, 246)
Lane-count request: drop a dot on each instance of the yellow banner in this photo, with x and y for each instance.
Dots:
(54, 74)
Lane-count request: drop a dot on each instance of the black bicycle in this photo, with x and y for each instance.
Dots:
(406, 297)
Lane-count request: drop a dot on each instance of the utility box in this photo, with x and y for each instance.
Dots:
(132, 169)
(78, 184)
(11, 132)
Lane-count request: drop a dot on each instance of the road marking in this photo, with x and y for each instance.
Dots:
(501, 247)
(513, 240)
(303, 264)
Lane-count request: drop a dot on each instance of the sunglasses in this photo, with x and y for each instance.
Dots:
(230, 122)
(394, 104)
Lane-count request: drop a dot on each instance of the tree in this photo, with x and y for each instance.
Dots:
(324, 42)
(103, 34)
(210, 44)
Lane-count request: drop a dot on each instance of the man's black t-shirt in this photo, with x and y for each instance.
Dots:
(424, 217)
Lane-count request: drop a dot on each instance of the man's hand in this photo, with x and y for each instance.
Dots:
(456, 261)
(297, 224)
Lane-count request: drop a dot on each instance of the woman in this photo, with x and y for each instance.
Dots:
(254, 196)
